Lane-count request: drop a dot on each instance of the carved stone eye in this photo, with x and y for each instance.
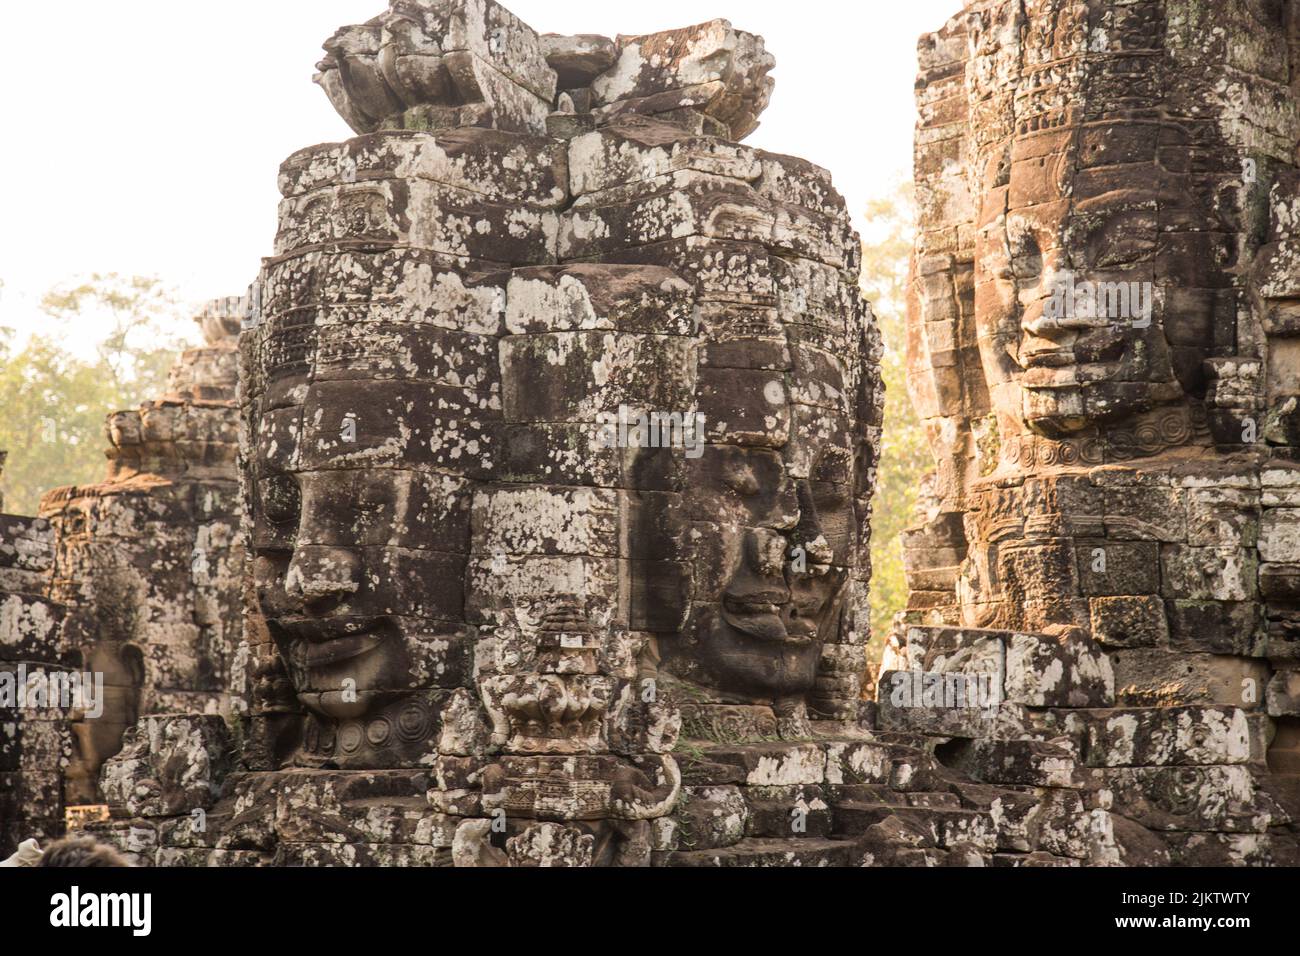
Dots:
(830, 497)
(1026, 257)
(833, 468)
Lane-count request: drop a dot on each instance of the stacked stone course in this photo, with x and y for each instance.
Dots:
(35, 741)
(484, 628)
(1122, 484)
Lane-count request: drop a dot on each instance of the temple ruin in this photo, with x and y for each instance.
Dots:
(133, 585)
(34, 738)
(537, 530)
(1102, 344)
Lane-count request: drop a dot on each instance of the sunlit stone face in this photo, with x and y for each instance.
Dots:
(1101, 265)
(1100, 200)
(1071, 304)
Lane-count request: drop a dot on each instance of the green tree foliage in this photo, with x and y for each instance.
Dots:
(905, 456)
(136, 317)
(55, 399)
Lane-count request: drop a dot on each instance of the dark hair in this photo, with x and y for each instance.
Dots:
(82, 852)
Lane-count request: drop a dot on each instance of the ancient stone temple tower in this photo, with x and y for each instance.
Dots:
(552, 381)
(560, 417)
(147, 562)
(1103, 343)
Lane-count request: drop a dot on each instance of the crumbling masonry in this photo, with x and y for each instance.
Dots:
(559, 419)
(34, 740)
(136, 579)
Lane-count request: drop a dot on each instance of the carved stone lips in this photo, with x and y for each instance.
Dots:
(340, 649)
(1055, 358)
(802, 628)
(1071, 375)
(321, 643)
(757, 614)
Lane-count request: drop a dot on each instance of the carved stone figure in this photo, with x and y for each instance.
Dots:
(1105, 379)
(147, 562)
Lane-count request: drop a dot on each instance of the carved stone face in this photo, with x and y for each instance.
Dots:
(346, 571)
(360, 536)
(1106, 143)
(761, 624)
(773, 533)
(1100, 265)
(96, 740)
(1072, 300)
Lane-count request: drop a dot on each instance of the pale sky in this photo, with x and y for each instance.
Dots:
(143, 136)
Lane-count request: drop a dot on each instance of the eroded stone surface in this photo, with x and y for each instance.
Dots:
(149, 562)
(449, 64)
(504, 627)
(1097, 346)
(34, 737)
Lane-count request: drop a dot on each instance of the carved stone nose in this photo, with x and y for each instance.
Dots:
(765, 553)
(321, 573)
(1047, 323)
(810, 524)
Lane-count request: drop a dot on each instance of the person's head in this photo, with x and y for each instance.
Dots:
(82, 852)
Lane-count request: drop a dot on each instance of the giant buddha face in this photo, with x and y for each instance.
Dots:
(367, 429)
(1101, 266)
(774, 510)
(770, 564)
(355, 589)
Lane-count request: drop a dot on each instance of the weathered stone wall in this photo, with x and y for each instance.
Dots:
(149, 563)
(35, 741)
(1098, 344)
